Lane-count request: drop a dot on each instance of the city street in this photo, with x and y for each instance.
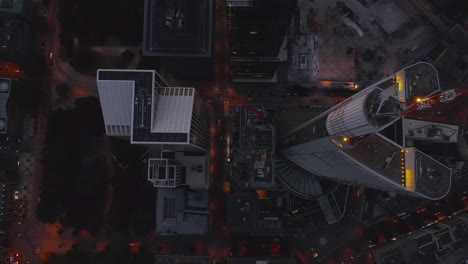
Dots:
(31, 227)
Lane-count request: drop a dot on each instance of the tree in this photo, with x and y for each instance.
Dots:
(84, 60)
(39, 24)
(46, 212)
(62, 90)
(141, 221)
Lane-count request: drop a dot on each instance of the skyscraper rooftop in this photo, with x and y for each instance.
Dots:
(135, 105)
(363, 140)
(181, 28)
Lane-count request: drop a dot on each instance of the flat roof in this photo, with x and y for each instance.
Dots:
(241, 212)
(174, 110)
(194, 178)
(173, 216)
(178, 28)
(116, 103)
(378, 154)
(143, 84)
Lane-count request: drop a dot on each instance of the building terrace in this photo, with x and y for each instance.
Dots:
(378, 154)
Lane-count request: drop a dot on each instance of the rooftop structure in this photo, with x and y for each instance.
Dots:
(172, 169)
(428, 245)
(181, 211)
(178, 28)
(135, 105)
(242, 212)
(176, 259)
(253, 147)
(361, 141)
(258, 214)
(430, 131)
(257, 38)
(165, 173)
(15, 39)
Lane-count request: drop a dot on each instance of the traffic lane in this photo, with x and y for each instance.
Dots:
(216, 154)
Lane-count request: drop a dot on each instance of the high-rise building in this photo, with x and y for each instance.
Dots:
(181, 28)
(174, 124)
(136, 104)
(366, 140)
(257, 37)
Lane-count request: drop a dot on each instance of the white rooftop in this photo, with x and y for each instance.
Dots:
(116, 101)
(173, 113)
